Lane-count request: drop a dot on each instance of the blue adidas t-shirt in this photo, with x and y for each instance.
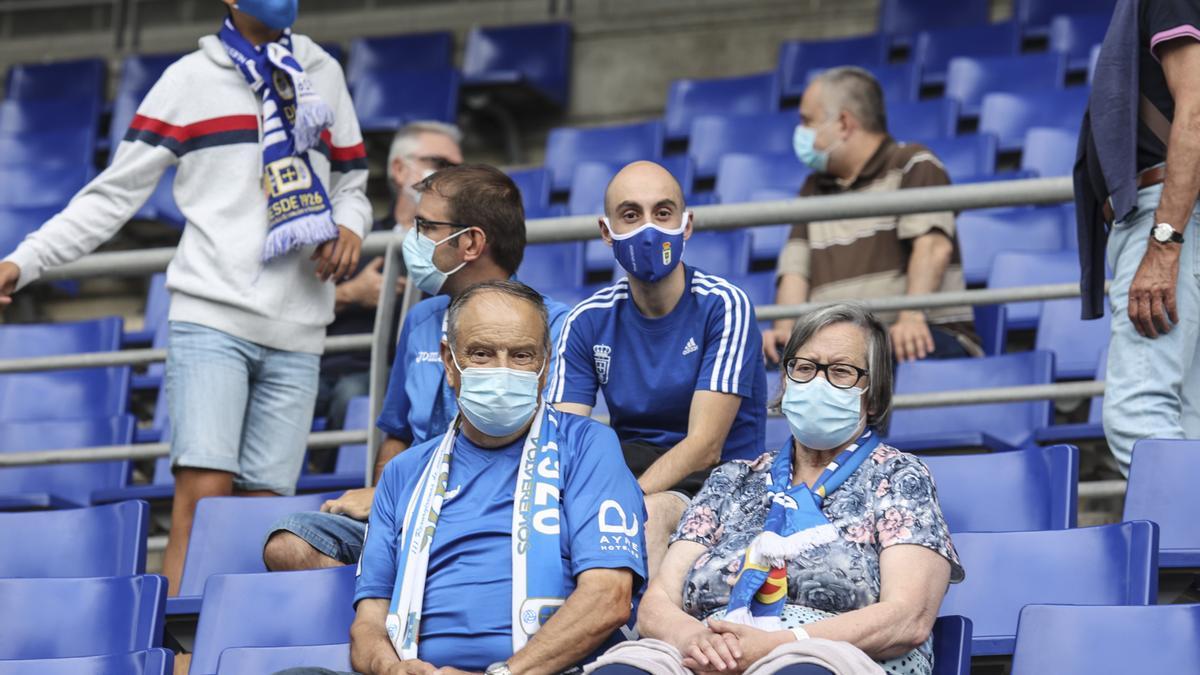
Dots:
(467, 620)
(419, 404)
(649, 369)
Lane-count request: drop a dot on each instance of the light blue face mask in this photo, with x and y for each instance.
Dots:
(820, 415)
(418, 258)
(498, 401)
(277, 14)
(804, 144)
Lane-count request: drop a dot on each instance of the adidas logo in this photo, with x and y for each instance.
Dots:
(690, 346)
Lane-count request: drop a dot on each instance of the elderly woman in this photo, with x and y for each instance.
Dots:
(835, 535)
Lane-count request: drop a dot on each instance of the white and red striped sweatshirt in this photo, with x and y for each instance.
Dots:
(203, 117)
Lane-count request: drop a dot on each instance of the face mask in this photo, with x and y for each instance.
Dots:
(277, 14)
(803, 143)
(418, 258)
(821, 416)
(650, 252)
(498, 401)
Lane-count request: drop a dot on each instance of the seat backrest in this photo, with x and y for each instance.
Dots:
(539, 53)
(759, 287)
(905, 17)
(386, 100)
(1030, 489)
(64, 394)
(17, 115)
(1011, 269)
(84, 78)
(534, 184)
(228, 534)
(969, 78)
(900, 82)
(739, 176)
(1067, 640)
(1049, 151)
(70, 483)
(743, 95)
(265, 610)
(42, 184)
(922, 121)
(358, 413)
(101, 541)
(1075, 34)
(966, 156)
(1039, 13)
(1009, 115)
(952, 646)
(548, 267)
(713, 136)
(566, 147)
(139, 72)
(934, 47)
(1104, 565)
(798, 57)
(248, 660)
(51, 339)
(62, 146)
(723, 253)
(1012, 423)
(88, 616)
(1161, 489)
(411, 51)
(157, 661)
(1076, 344)
(982, 234)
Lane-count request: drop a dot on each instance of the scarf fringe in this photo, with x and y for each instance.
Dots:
(312, 117)
(769, 549)
(315, 228)
(742, 616)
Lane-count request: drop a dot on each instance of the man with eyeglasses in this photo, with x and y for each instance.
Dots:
(418, 149)
(469, 228)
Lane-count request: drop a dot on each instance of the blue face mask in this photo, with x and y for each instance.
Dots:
(803, 143)
(650, 252)
(497, 401)
(821, 416)
(418, 258)
(277, 14)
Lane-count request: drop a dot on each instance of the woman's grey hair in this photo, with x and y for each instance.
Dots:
(879, 353)
(510, 288)
(857, 91)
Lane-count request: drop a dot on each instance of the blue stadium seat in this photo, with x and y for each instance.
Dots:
(158, 302)
(1037, 15)
(998, 426)
(535, 58)
(1162, 489)
(157, 661)
(952, 646)
(1074, 35)
(1105, 565)
(386, 100)
(724, 253)
(922, 120)
(568, 146)
(1011, 269)
(87, 616)
(1009, 115)
(798, 57)
(934, 48)
(352, 459)
(1067, 640)
(713, 136)
(139, 72)
(1049, 151)
(19, 116)
(62, 146)
(264, 610)
(1090, 430)
(1028, 489)
(101, 541)
(966, 156)
(590, 181)
(740, 176)
(758, 286)
(227, 538)
(534, 184)
(984, 233)
(256, 660)
(900, 82)
(903, 18)
(47, 339)
(550, 267)
(85, 78)
(42, 185)
(1076, 344)
(969, 79)
(743, 95)
(62, 485)
(410, 51)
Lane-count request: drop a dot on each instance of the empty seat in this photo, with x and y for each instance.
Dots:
(42, 185)
(18, 116)
(992, 425)
(56, 146)
(1105, 565)
(966, 156)
(62, 485)
(550, 267)
(533, 58)
(934, 48)
(411, 51)
(1036, 15)
(922, 120)
(1074, 35)
(903, 18)
(1076, 344)
(743, 95)
(156, 661)
(568, 146)
(101, 541)
(798, 57)
(1162, 489)
(1090, 430)
(1028, 489)
(968, 79)
(900, 82)
(90, 616)
(1067, 640)
(255, 660)
(139, 72)
(1012, 269)
(985, 233)
(1049, 152)
(386, 100)
(725, 253)
(265, 610)
(85, 78)
(1010, 115)
(759, 287)
(158, 302)
(534, 185)
(713, 136)
(740, 176)
(590, 181)
(46, 339)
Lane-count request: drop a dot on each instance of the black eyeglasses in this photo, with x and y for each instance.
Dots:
(436, 161)
(840, 375)
(424, 225)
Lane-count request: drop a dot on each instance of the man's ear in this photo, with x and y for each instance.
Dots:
(448, 363)
(605, 232)
(474, 243)
(688, 217)
(397, 171)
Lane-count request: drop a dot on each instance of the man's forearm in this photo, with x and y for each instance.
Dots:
(927, 265)
(582, 624)
(391, 447)
(371, 652)
(686, 457)
(791, 289)
(1182, 183)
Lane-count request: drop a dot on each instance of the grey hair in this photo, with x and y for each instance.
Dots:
(405, 140)
(879, 353)
(855, 90)
(511, 288)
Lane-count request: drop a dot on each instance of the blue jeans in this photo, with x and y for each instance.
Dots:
(334, 535)
(239, 407)
(1153, 385)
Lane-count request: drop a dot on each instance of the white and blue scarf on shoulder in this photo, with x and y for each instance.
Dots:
(293, 117)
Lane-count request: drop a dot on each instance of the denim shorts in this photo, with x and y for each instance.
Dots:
(335, 535)
(239, 407)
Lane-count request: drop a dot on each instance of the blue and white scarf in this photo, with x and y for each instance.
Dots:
(537, 574)
(293, 116)
(794, 524)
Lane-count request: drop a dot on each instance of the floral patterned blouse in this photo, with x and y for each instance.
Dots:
(889, 500)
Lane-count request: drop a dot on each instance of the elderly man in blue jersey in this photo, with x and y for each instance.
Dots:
(469, 228)
(512, 542)
(674, 350)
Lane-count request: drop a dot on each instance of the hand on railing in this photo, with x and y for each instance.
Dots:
(9, 275)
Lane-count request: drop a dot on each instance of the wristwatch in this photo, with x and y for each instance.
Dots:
(498, 668)
(1163, 233)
